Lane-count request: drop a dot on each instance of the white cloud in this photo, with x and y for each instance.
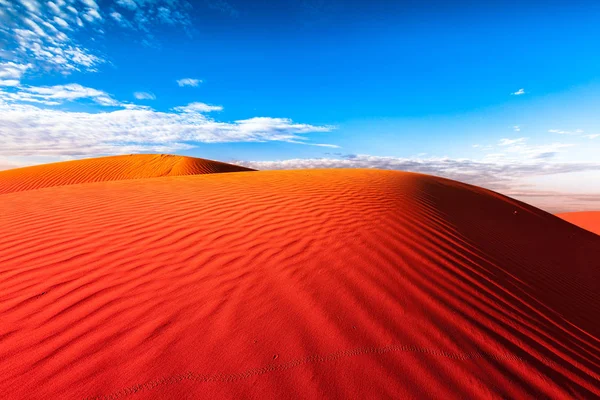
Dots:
(562, 132)
(54, 95)
(519, 92)
(129, 4)
(40, 32)
(45, 32)
(331, 146)
(9, 82)
(90, 3)
(144, 14)
(61, 22)
(56, 9)
(144, 96)
(508, 142)
(31, 5)
(517, 128)
(118, 17)
(576, 132)
(28, 130)
(92, 15)
(517, 150)
(189, 82)
(198, 107)
(11, 73)
(278, 125)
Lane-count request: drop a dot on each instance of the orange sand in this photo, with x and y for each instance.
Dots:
(308, 284)
(115, 168)
(589, 220)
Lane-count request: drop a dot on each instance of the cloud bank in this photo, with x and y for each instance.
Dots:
(503, 177)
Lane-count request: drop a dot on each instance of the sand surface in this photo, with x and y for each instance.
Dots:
(114, 168)
(589, 220)
(294, 284)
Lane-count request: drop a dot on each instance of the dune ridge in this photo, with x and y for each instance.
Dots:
(588, 220)
(305, 284)
(113, 168)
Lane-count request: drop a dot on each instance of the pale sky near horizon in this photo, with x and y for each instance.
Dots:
(501, 94)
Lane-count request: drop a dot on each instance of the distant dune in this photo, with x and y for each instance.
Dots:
(115, 168)
(356, 284)
(589, 220)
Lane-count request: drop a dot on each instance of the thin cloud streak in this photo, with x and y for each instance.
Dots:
(144, 96)
(55, 95)
(189, 82)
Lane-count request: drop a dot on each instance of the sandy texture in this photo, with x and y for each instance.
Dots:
(589, 220)
(294, 284)
(115, 168)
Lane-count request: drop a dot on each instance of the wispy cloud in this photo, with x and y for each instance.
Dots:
(519, 92)
(562, 132)
(576, 132)
(517, 128)
(120, 19)
(331, 146)
(189, 82)
(508, 142)
(518, 150)
(198, 108)
(128, 4)
(58, 94)
(31, 130)
(144, 96)
(41, 32)
(142, 15)
(45, 32)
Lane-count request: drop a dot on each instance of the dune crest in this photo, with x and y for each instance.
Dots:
(294, 284)
(588, 220)
(113, 168)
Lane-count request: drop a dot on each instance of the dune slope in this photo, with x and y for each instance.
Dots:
(589, 220)
(114, 168)
(305, 284)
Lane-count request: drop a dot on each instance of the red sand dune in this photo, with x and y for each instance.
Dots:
(589, 220)
(115, 168)
(308, 284)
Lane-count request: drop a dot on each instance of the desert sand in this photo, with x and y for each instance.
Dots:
(292, 284)
(589, 220)
(114, 168)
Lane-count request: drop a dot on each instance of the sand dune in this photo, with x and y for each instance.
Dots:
(589, 220)
(135, 166)
(306, 284)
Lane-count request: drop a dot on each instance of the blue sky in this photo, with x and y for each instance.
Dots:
(501, 94)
